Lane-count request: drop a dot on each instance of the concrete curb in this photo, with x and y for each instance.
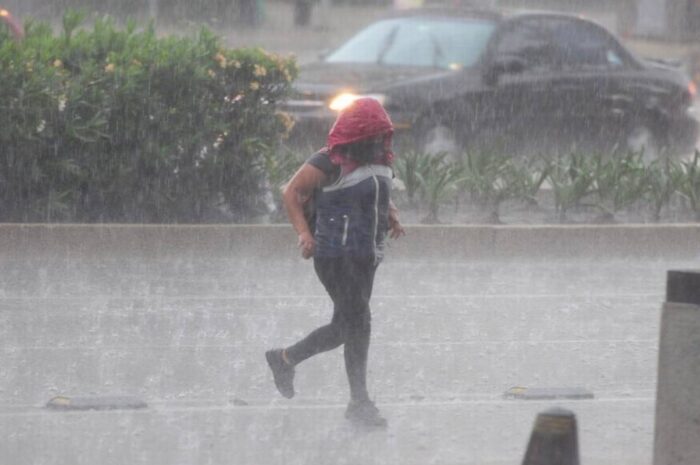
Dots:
(464, 242)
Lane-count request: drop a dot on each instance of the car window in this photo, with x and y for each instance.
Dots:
(547, 44)
(580, 45)
(418, 42)
(366, 46)
(528, 41)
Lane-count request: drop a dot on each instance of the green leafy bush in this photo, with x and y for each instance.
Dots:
(120, 125)
(665, 177)
(690, 184)
(431, 178)
(621, 179)
(410, 167)
(572, 179)
(440, 179)
(489, 176)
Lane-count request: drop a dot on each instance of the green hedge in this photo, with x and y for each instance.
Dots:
(120, 125)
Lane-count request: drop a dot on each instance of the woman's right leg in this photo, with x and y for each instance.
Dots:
(348, 281)
(332, 335)
(332, 273)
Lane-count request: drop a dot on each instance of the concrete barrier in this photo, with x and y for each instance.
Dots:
(677, 429)
(468, 242)
(554, 439)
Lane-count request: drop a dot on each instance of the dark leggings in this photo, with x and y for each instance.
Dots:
(348, 281)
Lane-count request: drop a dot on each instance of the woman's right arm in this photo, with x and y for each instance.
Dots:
(295, 193)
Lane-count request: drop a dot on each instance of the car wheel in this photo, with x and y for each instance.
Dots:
(439, 139)
(642, 139)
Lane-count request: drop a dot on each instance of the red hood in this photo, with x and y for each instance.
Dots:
(363, 119)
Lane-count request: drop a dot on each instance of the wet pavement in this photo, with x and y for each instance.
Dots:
(450, 337)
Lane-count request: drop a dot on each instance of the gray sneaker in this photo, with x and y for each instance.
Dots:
(365, 413)
(282, 372)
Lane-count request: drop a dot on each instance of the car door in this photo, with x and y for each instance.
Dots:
(520, 70)
(589, 102)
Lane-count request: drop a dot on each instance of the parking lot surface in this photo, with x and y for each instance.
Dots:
(187, 334)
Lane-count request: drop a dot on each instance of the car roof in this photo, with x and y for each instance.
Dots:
(446, 12)
(474, 11)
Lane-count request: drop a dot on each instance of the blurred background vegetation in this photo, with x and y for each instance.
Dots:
(108, 120)
(116, 124)
(236, 11)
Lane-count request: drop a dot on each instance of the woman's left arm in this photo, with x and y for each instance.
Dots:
(395, 228)
(295, 193)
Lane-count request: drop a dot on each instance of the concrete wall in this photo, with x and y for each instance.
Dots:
(677, 429)
(279, 241)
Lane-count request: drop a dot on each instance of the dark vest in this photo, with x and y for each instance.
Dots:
(352, 214)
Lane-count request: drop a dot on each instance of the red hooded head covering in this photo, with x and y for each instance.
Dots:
(363, 119)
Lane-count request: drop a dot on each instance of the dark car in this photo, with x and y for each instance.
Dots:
(527, 82)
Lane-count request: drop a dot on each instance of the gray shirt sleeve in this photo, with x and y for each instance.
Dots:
(321, 161)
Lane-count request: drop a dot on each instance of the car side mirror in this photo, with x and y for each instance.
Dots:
(503, 65)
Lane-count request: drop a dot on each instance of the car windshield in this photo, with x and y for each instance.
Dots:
(438, 43)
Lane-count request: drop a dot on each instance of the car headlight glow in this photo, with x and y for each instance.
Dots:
(342, 101)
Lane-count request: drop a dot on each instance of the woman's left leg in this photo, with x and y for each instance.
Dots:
(359, 274)
(361, 409)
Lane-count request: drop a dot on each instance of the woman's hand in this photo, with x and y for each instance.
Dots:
(395, 228)
(307, 244)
